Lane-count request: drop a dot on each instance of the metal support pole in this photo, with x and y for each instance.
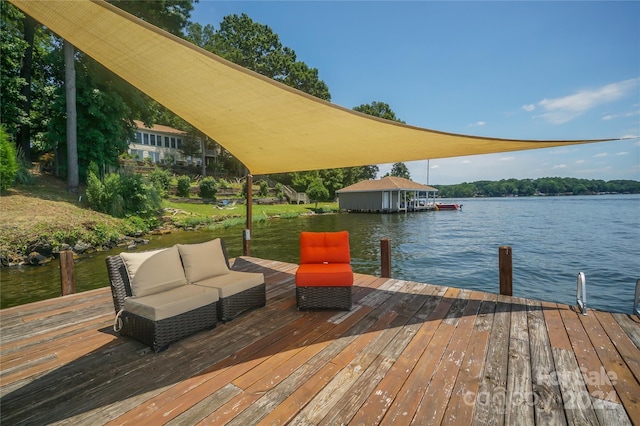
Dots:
(246, 235)
(636, 300)
(506, 270)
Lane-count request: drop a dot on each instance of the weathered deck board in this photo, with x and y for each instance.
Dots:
(406, 353)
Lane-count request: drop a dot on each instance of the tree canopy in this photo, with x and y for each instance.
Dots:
(542, 186)
(378, 109)
(256, 47)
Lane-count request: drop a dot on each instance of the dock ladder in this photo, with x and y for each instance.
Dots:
(581, 293)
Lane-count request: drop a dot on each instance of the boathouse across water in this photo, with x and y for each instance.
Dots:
(387, 195)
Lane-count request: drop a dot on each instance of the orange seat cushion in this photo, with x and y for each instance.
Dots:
(324, 275)
(320, 247)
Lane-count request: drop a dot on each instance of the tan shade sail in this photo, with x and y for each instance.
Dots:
(268, 126)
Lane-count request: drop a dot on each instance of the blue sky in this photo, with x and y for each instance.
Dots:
(522, 70)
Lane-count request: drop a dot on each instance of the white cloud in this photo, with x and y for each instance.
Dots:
(564, 109)
(622, 115)
(579, 161)
(602, 154)
(507, 158)
(477, 123)
(621, 153)
(466, 162)
(594, 171)
(560, 166)
(529, 107)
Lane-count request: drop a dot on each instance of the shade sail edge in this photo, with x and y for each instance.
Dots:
(269, 127)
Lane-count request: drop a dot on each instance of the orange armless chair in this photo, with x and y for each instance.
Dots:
(324, 279)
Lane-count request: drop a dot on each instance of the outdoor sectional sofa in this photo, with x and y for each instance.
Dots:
(161, 296)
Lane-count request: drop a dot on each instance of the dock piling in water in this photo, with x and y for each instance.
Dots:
(506, 270)
(67, 273)
(385, 258)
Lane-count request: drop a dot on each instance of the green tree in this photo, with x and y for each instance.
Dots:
(170, 15)
(256, 47)
(317, 191)
(25, 80)
(104, 117)
(382, 110)
(400, 170)
(191, 148)
(107, 104)
(8, 161)
(378, 109)
(356, 174)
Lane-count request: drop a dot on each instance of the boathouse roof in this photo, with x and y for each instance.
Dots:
(385, 184)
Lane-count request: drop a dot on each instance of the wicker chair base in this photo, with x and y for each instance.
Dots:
(232, 306)
(159, 334)
(339, 297)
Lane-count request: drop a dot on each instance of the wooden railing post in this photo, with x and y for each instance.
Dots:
(506, 270)
(385, 258)
(67, 273)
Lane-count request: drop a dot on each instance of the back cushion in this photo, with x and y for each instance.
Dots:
(154, 271)
(204, 260)
(320, 247)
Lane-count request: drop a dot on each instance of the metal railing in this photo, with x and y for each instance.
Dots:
(581, 293)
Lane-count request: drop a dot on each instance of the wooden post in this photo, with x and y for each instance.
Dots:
(385, 258)
(246, 235)
(67, 273)
(506, 270)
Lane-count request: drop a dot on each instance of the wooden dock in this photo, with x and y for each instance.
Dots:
(406, 353)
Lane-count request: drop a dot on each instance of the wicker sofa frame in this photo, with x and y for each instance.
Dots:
(232, 306)
(159, 334)
(324, 297)
(156, 334)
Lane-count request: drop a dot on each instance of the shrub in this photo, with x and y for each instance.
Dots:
(8, 162)
(184, 183)
(93, 168)
(208, 188)
(161, 180)
(23, 175)
(95, 192)
(279, 190)
(139, 196)
(122, 195)
(264, 189)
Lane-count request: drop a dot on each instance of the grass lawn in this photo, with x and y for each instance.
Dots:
(191, 214)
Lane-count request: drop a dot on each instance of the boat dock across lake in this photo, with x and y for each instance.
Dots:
(406, 352)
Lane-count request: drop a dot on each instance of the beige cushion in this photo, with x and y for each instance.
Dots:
(204, 260)
(232, 283)
(170, 303)
(154, 271)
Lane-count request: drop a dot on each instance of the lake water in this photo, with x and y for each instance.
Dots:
(553, 239)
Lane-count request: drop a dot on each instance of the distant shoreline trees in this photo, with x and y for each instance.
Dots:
(550, 186)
